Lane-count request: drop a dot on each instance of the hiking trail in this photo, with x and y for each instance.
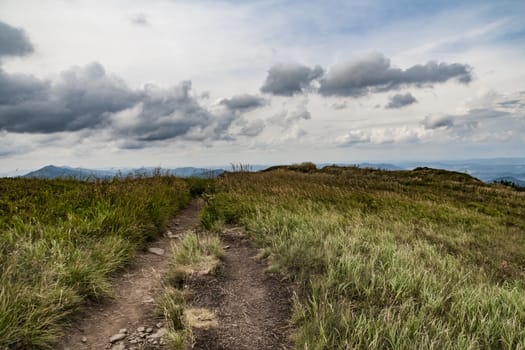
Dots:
(252, 308)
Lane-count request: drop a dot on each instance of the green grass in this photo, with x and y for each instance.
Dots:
(195, 254)
(61, 239)
(425, 259)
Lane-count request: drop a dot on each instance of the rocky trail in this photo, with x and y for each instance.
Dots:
(251, 308)
(118, 324)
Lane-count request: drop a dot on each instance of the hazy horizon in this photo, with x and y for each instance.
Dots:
(208, 83)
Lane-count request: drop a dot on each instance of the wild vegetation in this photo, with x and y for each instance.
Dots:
(61, 239)
(422, 259)
(381, 259)
(195, 254)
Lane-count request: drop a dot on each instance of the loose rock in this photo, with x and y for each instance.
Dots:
(117, 337)
(156, 251)
(171, 235)
(160, 333)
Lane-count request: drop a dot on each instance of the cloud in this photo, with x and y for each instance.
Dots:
(164, 114)
(287, 119)
(373, 73)
(379, 136)
(339, 105)
(253, 129)
(243, 103)
(87, 98)
(290, 79)
(14, 41)
(16, 88)
(466, 121)
(476, 125)
(436, 122)
(83, 97)
(140, 19)
(400, 100)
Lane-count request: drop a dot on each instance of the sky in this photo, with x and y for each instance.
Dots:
(129, 83)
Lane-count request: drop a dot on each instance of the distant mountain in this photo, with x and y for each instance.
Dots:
(55, 172)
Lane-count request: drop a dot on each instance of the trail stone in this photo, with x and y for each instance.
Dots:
(117, 337)
(171, 235)
(83, 339)
(160, 333)
(118, 347)
(123, 330)
(141, 329)
(159, 325)
(149, 330)
(156, 251)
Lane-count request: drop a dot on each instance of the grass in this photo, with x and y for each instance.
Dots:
(424, 259)
(383, 260)
(196, 254)
(61, 239)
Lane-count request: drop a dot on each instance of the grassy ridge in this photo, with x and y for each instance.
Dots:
(421, 260)
(60, 239)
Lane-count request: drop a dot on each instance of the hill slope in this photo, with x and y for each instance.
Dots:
(388, 259)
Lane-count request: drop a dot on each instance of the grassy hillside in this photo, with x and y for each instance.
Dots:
(421, 259)
(60, 239)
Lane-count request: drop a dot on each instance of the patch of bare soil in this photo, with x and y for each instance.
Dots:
(130, 315)
(251, 307)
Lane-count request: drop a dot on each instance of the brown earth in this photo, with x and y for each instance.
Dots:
(251, 306)
(135, 290)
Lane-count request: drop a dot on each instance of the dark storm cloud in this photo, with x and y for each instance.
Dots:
(15, 88)
(400, 100)
(290, 79)
(243, 103)
(169, 113)
(13, 41)
(361, 76)
(87, 98)
(374, 73)
(82, 98)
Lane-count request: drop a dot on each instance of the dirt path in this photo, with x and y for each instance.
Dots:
(133, 304)
(252, 307)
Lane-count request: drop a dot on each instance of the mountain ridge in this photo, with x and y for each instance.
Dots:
(54, 172)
